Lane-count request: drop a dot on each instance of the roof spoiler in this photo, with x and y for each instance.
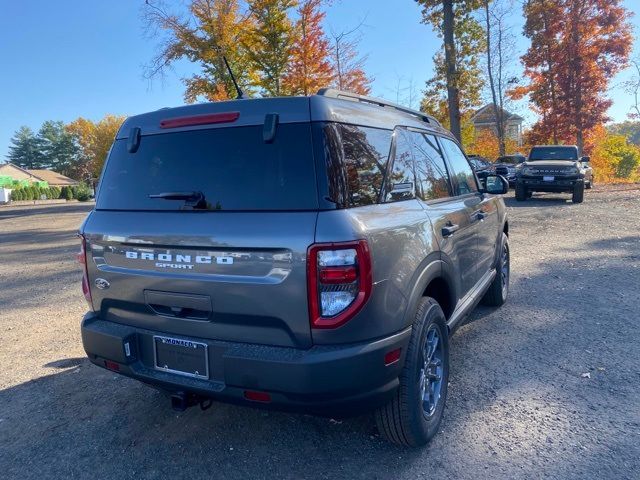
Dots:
(354, 97)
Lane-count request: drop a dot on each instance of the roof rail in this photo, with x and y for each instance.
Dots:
(334, 93)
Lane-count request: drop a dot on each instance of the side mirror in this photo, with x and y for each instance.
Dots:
(585, 159)
(401, 191)
(496, 185)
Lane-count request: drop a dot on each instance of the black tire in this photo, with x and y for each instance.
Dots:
(403, 420)
(521, 192)
(498, 291)
(578, 193)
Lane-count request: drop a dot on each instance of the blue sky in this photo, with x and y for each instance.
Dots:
(65, 59)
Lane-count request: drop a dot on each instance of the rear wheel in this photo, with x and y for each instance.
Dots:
(414, 414)
(521, 193)
(578, 193)
(497, 293)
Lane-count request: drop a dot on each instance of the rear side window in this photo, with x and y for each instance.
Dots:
(465, 181)
(402, 178)
(233, 167)
(433, 178)
(356, 160)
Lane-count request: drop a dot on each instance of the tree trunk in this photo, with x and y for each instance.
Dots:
(498, 113)
(452, 74)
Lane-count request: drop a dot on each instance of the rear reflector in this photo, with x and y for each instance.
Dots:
(112, 365)
(226, 117)
(81, 256)
(392, 357)
(254, 396)
(337, 275)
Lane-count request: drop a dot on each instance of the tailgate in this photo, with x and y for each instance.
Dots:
(235, 276)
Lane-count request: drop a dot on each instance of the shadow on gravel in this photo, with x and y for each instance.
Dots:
(629, 245)
(85, 419)
(25, 210)
(66, 362)
(537, 201)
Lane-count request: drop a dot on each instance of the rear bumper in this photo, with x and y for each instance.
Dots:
(327, 380)
(537, 184)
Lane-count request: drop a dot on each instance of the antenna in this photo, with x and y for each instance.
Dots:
(233, 79)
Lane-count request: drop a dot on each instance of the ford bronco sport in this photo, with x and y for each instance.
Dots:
(554, 168)
(303, 253)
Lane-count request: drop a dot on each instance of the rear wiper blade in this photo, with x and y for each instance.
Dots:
(178, 195)
(192, 199)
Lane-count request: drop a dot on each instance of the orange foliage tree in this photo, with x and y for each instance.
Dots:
(576, 47)
(487, 145)
(349, 65)
(309, 67)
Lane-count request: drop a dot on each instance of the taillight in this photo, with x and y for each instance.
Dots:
(339, 282)
(82, 259)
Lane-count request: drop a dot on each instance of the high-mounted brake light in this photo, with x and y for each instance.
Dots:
(226, 117)
(339, 282)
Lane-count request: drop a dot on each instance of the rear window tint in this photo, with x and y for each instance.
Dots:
(365, 152)
(233, 167)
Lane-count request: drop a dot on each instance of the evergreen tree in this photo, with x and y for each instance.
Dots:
(25, 150)
(58, 147)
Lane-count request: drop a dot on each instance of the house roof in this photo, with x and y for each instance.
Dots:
(49, 176)
(53, 178)
(486, 115)
(16, 172)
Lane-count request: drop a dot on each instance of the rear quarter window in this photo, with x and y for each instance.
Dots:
(356, 160)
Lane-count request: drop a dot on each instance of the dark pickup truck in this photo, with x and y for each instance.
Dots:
(554, 168)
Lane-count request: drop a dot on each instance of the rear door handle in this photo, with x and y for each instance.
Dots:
(449, 230)
(480, 215)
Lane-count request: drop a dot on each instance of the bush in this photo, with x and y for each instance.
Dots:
(614, 159)
(66, 193)
(56, 192)
(16, 195)
(82, 193)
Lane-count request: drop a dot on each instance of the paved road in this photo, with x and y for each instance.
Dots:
(520, 405)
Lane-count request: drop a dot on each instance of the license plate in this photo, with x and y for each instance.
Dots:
(548, 179)
(183, 357)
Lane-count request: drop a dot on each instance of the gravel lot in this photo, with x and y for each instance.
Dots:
(546, 387)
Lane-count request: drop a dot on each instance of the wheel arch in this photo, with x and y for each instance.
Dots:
(434, 280)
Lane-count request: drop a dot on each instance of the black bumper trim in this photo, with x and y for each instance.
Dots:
(340, 379)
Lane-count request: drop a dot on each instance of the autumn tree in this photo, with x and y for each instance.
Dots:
(348, 64)
(309, 67)
(269, 43)
(487, 144)
(499, 47)
(457, 65)
(632, 87)
(576, 47)
(94, 140)
(212, 29)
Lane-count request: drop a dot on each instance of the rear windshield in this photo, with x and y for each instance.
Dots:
(553, 153)
(232, 167)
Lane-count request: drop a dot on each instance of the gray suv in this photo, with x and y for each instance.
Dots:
(304, 253)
